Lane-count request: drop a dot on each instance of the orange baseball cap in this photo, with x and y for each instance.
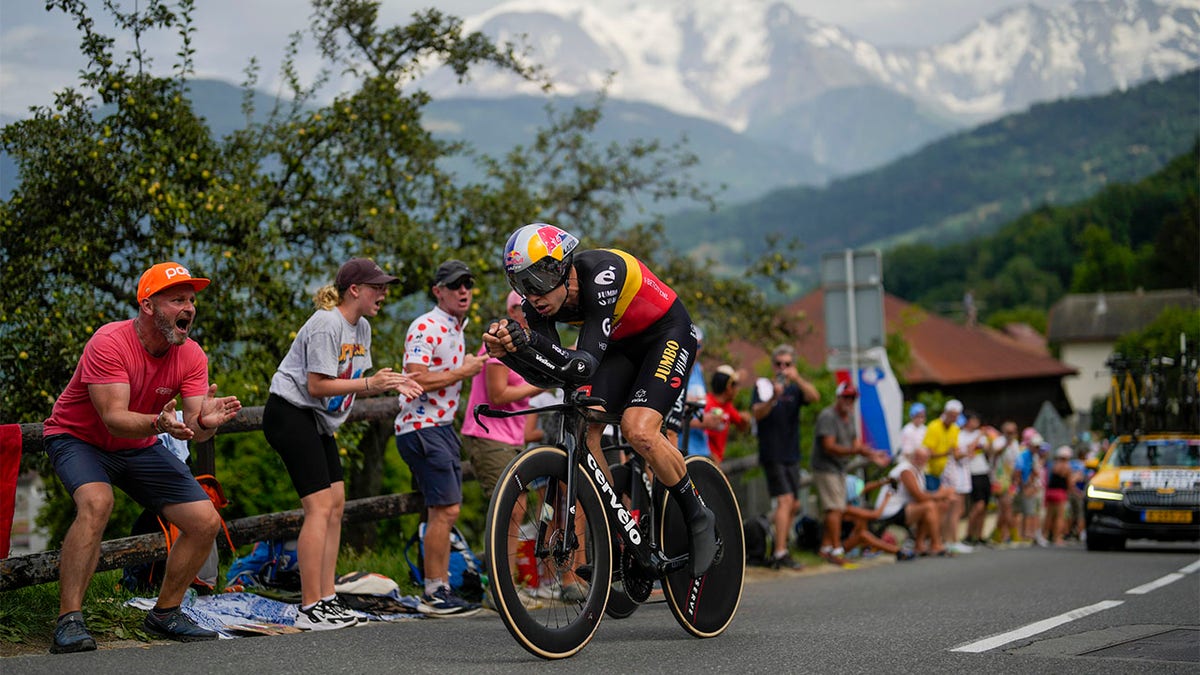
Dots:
(163, 276)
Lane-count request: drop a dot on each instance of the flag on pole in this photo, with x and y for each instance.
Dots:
(880, 401)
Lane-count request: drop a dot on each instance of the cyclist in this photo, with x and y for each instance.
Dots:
(635, 349)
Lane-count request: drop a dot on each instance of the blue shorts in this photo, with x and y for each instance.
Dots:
(153, 476)
(932, 482)
(432, 454)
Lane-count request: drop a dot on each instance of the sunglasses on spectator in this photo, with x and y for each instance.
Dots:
(460, 283)
(783, 364)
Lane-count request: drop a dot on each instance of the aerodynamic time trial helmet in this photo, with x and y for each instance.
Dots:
(538, 257)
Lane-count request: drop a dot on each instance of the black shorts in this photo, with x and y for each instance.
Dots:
(782, 479)
(673, 420)
(650, 369)
(981, 488)
(311, 457)
(898, 518)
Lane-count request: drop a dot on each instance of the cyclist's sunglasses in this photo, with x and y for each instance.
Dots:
(468, 282)
(539, 278)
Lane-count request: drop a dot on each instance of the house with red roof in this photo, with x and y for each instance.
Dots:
(1000, 374)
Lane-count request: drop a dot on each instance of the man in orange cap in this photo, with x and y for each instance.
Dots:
(103, 431)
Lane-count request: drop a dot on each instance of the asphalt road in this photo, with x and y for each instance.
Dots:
(1025, 610)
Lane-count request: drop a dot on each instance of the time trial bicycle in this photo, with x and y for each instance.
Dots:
(557, 507)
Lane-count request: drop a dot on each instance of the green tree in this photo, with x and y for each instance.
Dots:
(1104, 264)
(1162, 336)
(102, 194)
(122, 174)
(1022, 282)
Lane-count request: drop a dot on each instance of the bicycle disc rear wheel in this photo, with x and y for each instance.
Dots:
(705, 606)
(552, 613)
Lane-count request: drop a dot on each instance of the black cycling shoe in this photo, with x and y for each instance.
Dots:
(177, 626)
(702, 542)
(70, 635)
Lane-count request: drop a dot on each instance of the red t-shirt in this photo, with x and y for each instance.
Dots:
(718, 437)
(114, 355)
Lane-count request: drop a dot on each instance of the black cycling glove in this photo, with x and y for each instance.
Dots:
(540, 360)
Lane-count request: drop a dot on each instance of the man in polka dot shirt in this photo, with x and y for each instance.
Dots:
(436, 357)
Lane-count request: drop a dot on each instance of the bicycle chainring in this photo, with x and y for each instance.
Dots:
(638, 584)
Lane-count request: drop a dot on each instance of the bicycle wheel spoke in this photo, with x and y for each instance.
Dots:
(535, 555)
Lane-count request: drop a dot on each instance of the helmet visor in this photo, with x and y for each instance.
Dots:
(541, 277)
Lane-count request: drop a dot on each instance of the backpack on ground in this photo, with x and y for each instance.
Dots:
(808, 534)
(465, 567)
(272, 563)
(757, 532)
(147, 577)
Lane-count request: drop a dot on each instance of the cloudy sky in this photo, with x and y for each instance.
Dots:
(39, 51)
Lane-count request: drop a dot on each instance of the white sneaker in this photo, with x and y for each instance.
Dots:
(960, 548)
(321, 617)
(550, 591)
(528, 601)
(338, 607)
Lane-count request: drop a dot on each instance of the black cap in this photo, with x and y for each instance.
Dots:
(451, 271)
(362, 271)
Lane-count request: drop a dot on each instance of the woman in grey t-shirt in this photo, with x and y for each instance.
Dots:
(311, 395)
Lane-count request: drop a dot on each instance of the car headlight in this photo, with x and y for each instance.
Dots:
(1094, 492)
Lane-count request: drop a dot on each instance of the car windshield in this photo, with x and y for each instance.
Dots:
(1158, 452)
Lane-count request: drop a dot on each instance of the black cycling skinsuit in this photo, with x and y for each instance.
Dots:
(635, 349)
(635, 346)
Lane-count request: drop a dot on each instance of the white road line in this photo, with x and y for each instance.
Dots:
(1157, 583)
(1191, 568)
(1035, 628)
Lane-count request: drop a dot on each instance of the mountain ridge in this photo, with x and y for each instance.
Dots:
(703, 57)
(969, 183)
(763, 63)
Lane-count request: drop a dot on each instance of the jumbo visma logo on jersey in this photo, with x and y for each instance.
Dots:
(670, 362)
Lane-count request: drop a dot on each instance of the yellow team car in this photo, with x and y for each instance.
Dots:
(1146, 487)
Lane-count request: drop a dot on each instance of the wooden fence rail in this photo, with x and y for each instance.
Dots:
(40, 568)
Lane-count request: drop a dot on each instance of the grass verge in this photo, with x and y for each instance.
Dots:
(27, 615)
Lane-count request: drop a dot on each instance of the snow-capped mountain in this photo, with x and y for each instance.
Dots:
(750, 63)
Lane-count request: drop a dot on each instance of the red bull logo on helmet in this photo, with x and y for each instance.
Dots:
(552, 238)
(514, 259)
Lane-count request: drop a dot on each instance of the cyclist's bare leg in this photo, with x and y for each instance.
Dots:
(642, 427)
(672, 437)
(595, 433)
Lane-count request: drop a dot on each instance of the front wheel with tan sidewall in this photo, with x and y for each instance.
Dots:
(528, 546)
